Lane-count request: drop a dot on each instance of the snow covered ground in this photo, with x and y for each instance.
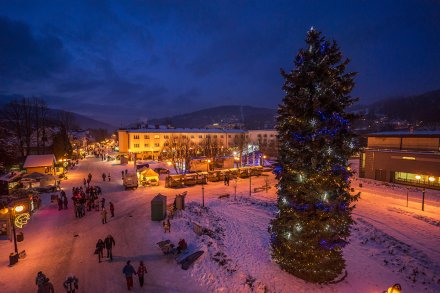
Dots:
(390, 242)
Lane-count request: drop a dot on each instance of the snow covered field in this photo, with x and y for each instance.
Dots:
(390, 243)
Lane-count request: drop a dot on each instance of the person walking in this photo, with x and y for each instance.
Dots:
(112, 209)
(102, 203)
(103, 176)
(166, 226)
(40, 279)
(122, 174)
(109, 242)
(141, 271)
(99, 249)
(60, 203)
(71, 283)
(126, 171)
(104, 216)
(84, 182)
(128, 271)
(65, 202)
(109, 177)
(47, 287)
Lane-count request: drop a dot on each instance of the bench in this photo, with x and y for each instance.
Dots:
(258, 189)
(223, 196)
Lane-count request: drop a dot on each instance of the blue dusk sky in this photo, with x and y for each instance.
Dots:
(121, 61)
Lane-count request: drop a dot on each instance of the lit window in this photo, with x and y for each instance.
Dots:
(192, 136)
(156, 137)
(146, 136)
(156, 144)
(136, 136)
(200, 136)
(136, 145)
(166, 136)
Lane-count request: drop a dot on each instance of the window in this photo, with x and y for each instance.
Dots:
(166, 144)
(146, 145)
(166, 136)
(156, 136)
(265, 135)
(229, 136)
(200, 136)
(156, 144)
(136, 145)
(136, 136)
(183, 136)
(259, 135)
(215, 136)
(192, 136)
(271, 135)
(221, 136)
(146, 136)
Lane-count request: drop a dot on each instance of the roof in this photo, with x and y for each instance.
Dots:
(147, 172)
(185, 130)
(405, 134)
(39, 161)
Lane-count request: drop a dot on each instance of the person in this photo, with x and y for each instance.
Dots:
(109, 242)
(128, 271)
(102, 203)
(122, 174)
(65, 202)
(166, 226)
(84, 182)
(109, 177)
(141, 271)
(227, 179)
(181, 246)
(40, 279)
(60, 203)
(112, 209)
(71, 283)
(99, 249)
(396, 288)
(103, 176)
(89, 176)
(104, 215)
(126, 171)
(47, 287)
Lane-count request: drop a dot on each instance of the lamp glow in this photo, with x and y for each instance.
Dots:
(418, 177)
(431, 179)
(19, 208)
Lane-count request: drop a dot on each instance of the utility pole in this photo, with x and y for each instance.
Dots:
(423, 199)
(250, 182)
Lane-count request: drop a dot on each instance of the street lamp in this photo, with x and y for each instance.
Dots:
(207, 165)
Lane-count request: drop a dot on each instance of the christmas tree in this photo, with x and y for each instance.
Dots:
(315, 143)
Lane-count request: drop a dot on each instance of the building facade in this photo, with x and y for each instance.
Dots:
(151, 141)
(402, 157)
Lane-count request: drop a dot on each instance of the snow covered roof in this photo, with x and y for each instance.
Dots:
(185, 130)
(405, 134)
(39, 161)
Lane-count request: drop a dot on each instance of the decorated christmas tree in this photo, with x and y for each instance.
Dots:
(315, 143)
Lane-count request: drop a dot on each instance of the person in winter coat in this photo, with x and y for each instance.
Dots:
(40, 279)
(89, 176)
(71, 283)
(141, 271)
(84, 182)
(122, 174)
(99, 249)
(65, 202)
(102, 203)
(166, 226)
(112, 209)
(128, 271)
(47, 287)
(60, 203)
(109, 177)
(103, 176)
(109, 242)
(104, 215)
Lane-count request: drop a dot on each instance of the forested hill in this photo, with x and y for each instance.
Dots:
(250, 117)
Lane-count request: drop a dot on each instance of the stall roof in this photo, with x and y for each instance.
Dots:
(39, 161)
(148, 172)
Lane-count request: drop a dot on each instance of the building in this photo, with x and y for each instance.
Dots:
(402, 157)
(44, 164)
(151, 141)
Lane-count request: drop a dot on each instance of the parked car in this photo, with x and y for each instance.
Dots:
(161, 170)
(130, 181)
(45, 189)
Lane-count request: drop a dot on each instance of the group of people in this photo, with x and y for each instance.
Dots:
(104, 176)
(62, 200)
(129, 271)
(108, 244)
(86, 198)
(226, 179)
(45, 286)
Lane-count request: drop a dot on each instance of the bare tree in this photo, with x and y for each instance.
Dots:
(179, 150)
(211, 147)
(240, 144)
(40, 112)
(66, 120)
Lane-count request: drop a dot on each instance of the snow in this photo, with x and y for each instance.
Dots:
(390, 243)
(39, 161)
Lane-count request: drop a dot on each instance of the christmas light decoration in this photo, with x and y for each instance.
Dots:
(315, 142)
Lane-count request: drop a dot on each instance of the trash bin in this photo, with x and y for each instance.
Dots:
(159, 207)
(180, 202)
(13, 258)
(20, 236)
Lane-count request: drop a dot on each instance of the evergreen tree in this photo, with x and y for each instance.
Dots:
(315, 143)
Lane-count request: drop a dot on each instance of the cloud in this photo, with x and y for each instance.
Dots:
(27, 57)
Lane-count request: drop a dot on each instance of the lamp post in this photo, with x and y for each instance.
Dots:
(12, 212)
(207, 165)
(423, 199)
(250, 182)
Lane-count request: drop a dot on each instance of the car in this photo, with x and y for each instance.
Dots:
(161, 170)
(45, 189)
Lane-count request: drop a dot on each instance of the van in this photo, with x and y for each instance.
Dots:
(130, 181)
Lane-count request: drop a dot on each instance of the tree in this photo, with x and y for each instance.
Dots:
(315, 143)
(61, 144)
(241, 143)
(179, 150)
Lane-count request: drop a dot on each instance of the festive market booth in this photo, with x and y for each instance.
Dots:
(174, 181)
(190, 179)
(40, 163)
(202, 178)
(9, 181)
(148, 177)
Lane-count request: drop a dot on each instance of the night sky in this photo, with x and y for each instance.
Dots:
(120, 61)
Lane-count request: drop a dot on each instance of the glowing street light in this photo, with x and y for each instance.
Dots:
(431, 179)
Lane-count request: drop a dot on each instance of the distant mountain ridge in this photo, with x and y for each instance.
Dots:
(247, 116)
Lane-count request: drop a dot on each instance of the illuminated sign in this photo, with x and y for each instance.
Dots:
(22, 220)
